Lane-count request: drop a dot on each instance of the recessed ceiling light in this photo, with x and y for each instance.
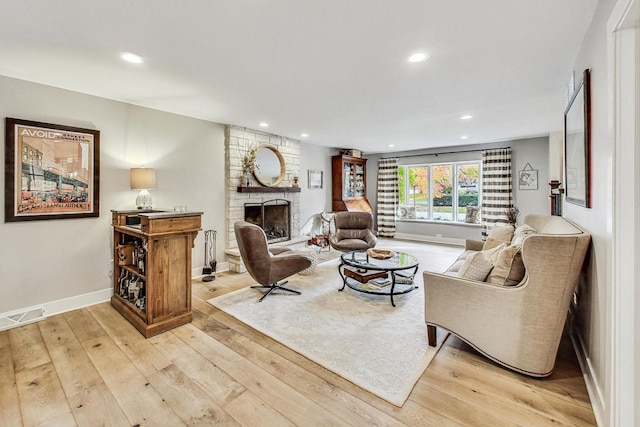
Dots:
(131, 57)
(304, 135)
(466, 117)
(391, 145)
(464, 137)
(418, 57)
(264, 124)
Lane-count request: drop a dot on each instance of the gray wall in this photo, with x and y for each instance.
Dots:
(62, 260)
(593, 308)
(534, 151)
(52, 260)
(313, 201)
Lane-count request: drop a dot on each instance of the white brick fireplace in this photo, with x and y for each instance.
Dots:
(238, 141)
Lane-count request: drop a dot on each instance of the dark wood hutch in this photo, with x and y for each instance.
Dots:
(349, 185)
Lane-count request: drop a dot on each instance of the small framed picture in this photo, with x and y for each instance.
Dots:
(315, 179)
(528, 178)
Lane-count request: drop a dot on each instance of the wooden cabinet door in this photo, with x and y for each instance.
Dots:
(169, 276)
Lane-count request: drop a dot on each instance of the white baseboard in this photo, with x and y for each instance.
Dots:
(23, 316)
(596, 394)
(430, 239)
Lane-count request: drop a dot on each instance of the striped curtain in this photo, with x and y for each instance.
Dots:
(387, 196)
(497, 195)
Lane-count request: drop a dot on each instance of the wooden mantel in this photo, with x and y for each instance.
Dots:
(268, 189)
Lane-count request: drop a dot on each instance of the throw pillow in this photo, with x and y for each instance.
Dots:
(521, 232)
(492, 243)
(508, 269)
(498, 235)
(472, 214)
(476, 267)
(492, 253)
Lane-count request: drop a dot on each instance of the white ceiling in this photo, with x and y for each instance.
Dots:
(335, 69)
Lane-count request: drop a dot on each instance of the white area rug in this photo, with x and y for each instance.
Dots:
(358, 336)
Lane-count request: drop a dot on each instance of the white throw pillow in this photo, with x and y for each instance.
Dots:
(521, 232)
(475, 267)
(498, 235)
(508, 268)
(492, 253)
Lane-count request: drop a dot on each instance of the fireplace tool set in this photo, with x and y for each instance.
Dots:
(209, 256)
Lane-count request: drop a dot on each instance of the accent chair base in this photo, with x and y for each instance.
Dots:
(271, 288)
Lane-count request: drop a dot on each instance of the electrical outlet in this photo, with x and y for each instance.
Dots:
(438, 235)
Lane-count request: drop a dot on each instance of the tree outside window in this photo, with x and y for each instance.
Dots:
(439, 192)
(468, 191)
(443, 192)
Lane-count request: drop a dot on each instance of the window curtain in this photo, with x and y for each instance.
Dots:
(387, 196)
(497, 194)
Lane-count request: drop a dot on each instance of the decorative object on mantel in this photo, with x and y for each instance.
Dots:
(295, 182)
(210, 262)
(248, 166)
(143, 179)
(528, 178)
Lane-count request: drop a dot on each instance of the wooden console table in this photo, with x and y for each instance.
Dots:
(152, 267)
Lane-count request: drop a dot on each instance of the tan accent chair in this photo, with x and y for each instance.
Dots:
(354, 232)
(268, 266)
(516, 326)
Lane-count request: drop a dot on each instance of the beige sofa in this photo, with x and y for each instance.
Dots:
(517, 326)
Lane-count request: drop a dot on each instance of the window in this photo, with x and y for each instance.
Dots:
(439, 192)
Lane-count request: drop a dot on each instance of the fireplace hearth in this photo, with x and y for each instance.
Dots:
(273, 216)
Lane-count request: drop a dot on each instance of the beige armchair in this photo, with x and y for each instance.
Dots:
(354, 232)
(268, 266)
(516, 326)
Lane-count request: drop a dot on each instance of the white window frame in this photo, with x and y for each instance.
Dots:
(454, 193)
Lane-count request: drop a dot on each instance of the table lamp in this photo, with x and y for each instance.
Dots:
(143, 179)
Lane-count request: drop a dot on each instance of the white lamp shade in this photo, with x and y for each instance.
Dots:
(143, 178)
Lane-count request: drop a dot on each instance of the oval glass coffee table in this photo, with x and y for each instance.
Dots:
(391, 276)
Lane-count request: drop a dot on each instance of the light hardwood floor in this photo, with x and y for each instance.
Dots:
(90, 367)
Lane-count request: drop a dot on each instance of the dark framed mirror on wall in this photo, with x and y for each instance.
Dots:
(577, 144)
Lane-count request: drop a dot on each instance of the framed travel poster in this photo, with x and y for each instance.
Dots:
(51, 171)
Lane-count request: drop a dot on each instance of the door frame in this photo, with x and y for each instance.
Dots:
(623, 387)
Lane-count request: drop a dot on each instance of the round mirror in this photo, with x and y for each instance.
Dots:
(270, 167)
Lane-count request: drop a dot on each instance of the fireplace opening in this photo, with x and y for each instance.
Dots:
(273, 216)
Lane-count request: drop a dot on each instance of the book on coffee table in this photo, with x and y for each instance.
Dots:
(380, 282)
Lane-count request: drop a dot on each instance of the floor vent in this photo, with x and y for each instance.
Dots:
(17, 319)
